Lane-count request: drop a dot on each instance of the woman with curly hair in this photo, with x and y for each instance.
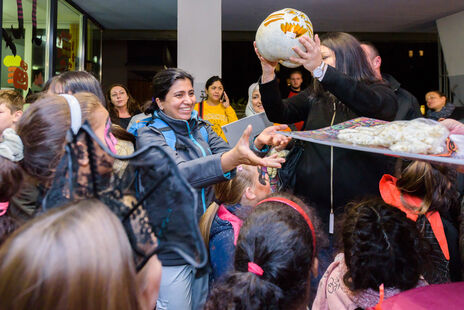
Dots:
(382, 256)
(121, 105)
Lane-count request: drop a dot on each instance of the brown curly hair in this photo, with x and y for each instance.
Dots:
(132, 105)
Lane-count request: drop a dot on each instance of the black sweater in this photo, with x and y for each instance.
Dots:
(355, 174)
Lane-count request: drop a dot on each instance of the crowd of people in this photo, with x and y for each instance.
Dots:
(108, 204)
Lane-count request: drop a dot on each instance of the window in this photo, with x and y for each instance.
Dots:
(93, 52)
(68, 38)
(26, 37)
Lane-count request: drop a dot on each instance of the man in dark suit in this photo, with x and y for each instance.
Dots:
(408, 106)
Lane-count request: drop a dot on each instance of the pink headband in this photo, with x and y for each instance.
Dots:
(300, 210)
(254, 268)
(3, 207)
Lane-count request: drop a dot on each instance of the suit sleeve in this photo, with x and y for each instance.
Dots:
(375, 100)
(284, 111)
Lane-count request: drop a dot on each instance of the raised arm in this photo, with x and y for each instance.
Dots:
(372, 100)
(284, 111)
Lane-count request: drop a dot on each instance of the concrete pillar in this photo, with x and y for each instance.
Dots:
(450, 30)
(199, 47)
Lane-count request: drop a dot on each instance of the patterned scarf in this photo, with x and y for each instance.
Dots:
(445, 112)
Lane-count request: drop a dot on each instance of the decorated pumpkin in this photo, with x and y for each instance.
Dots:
(279, 32)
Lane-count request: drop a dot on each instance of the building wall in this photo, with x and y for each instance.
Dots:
(451, 33)
(114, 62)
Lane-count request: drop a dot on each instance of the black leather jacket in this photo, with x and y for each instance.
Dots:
(354, 174)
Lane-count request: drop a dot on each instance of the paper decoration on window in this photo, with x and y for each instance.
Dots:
(20, 77)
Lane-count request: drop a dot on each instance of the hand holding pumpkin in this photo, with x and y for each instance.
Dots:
(267, 66)
(312, 57)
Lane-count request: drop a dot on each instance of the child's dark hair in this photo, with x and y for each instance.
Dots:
(277, 238)
(162, 82)
(7, 226)
(381, 245)
(11, 179)
(79, 81)
(439, 93)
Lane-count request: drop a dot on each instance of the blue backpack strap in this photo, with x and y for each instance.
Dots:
(165, 130)
(204, 133)
(139, 124)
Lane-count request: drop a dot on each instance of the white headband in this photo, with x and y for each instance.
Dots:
(76, 113)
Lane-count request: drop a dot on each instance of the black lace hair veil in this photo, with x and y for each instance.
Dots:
(157, 207)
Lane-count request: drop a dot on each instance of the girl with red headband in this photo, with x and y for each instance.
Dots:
(274, 258)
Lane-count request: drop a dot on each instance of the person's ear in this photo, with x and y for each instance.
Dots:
(82, 154)
(17, 115)
(377, 62)
(250, 193)
(159, 103)
(315, 267)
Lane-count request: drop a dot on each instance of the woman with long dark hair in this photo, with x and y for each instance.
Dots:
(344, 88)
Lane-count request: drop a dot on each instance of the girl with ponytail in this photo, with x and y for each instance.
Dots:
(274, 257)
(220, 225)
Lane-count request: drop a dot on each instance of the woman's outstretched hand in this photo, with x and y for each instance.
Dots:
(241, 154)
(269, 136)
(267, 66)
(311, 58)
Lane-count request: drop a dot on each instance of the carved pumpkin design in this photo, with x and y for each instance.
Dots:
(20, 77)
(279, 32)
